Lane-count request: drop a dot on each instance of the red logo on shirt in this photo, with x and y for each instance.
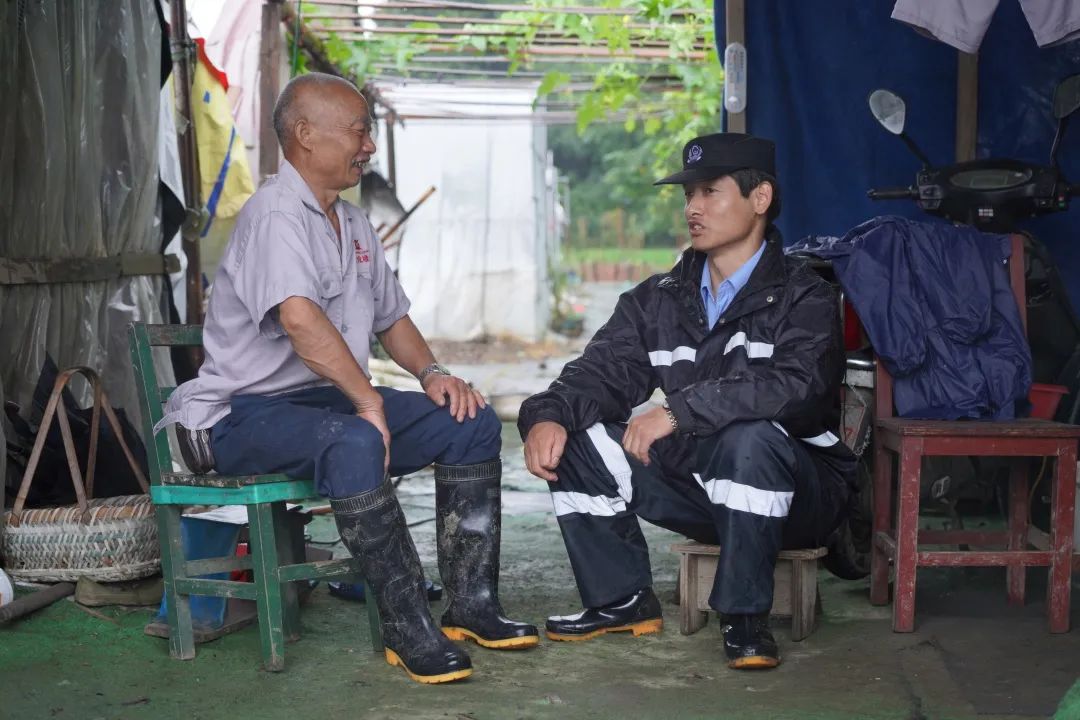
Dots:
(362, 255)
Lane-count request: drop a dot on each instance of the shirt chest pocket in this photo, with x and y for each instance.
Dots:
(363, 271)
(330, 291)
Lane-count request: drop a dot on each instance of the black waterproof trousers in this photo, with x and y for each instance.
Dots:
(751, 488)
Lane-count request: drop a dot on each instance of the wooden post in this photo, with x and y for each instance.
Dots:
(967, 105)
(270, 55)
(183, 56)
(391, 162)
(735, 22)
(1016, 573)
(907, 535)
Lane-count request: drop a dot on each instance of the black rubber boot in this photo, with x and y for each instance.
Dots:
(468, 517)
(748, 643)
(640, 614)
(372, 526)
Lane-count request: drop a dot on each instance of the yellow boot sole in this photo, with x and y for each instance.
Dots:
(515, 643)
(754, 662)
(645, 627)
(394, 659)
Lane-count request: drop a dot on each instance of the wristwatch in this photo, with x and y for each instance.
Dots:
(433, 368)
(670, 415)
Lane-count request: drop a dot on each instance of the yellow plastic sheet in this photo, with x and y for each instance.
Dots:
(223, 167)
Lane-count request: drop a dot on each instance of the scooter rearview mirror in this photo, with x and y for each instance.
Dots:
(888, 109)
(1067, 97)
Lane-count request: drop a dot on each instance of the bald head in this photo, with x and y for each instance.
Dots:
(325, 129)
(308, 96)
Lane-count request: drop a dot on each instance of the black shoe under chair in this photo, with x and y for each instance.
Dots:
(640, 614)
(372, 527)
(748, 643)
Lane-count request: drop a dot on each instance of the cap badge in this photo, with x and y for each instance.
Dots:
(693, 154)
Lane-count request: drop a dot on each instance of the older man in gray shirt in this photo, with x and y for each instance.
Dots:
(285, 388)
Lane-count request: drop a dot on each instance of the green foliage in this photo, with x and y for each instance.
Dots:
(657, 259)
(634, 117)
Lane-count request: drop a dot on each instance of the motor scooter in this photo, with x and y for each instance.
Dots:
(994, 195)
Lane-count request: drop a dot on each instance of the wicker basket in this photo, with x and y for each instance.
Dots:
(108, 539)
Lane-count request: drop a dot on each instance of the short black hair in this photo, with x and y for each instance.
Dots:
(748, 178)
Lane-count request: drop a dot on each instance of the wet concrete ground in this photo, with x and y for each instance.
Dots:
(971, 656)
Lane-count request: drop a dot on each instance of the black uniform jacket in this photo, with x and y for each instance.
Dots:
(775, 354)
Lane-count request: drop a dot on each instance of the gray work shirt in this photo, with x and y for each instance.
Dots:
(284, 246)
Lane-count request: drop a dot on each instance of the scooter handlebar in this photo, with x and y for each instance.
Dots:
(907, 193)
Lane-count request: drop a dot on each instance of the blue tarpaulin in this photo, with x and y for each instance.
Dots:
(811, 65)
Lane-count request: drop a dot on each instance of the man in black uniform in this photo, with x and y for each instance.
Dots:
(746, 345)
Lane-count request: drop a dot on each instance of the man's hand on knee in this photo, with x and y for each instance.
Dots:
(464, 400)
(644, 430)
(370, 407)
(544, 448)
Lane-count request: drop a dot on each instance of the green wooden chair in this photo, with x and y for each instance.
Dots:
(273, 554)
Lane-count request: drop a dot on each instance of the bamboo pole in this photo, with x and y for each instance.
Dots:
(183, 55)
(414, 99)
(462, 31)
(440, 57)
(358, 33)
(445, 20)
(487, 7)
(577, 53)
(592, 52)
(551, 118)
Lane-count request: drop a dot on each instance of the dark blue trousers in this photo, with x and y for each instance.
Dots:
(315, 433)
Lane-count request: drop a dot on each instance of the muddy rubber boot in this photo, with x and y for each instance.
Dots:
(372, 527)
(468, 518)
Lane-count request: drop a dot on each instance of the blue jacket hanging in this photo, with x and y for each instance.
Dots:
(937, 306)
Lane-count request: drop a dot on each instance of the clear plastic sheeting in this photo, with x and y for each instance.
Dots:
(78, 179)
(475, 260)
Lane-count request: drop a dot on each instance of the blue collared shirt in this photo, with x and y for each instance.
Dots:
(716, 305)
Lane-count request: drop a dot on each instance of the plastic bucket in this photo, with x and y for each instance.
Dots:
(203, 539)
(1044, 399)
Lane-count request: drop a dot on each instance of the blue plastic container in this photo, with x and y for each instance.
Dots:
(203, 539)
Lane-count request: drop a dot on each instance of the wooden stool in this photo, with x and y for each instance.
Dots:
(795, 593)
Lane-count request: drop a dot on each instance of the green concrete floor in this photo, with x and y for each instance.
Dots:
(971, 656)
